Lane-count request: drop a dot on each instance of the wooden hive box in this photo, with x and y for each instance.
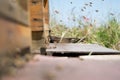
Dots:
(15, 32)
(39, 19)
(23, 22)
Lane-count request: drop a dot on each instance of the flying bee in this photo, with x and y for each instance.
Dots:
(111, 14)
(74, 20)
(57, 12)
(61, 21)
(86, 4)
(84, 7)
(91, 3)
(82, 10)
(96, 10)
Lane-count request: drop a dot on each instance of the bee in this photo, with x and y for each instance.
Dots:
(60, 20)
(84, 7)
(70, 2)
(91, 3)
(57, 12)
(74, 20)
(111, 14)
(96, 10)
(86, 4)
(82, 10)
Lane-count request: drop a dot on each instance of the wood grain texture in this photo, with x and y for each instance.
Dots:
(13, 36)
(39, 9)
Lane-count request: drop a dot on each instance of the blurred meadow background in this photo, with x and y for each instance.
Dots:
(90, 21)
(87, 21)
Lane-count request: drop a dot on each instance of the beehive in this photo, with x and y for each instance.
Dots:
(15, 32)
(23, 22)
(39, 19)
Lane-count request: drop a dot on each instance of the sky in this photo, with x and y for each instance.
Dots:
(99, 11)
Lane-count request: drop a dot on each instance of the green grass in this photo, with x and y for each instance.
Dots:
(107, 34)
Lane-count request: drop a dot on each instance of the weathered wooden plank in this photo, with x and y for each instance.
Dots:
(37, 28)
(100, 57)
(46, 12)
(36, 7)
(36, 15)
(38, 10)
(37, 24)
(80, 48)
